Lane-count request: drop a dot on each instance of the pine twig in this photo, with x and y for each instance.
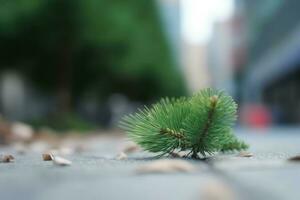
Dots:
(201, 124)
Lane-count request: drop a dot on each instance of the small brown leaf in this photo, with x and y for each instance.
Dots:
(166, 166)
(121, 156)
(47, 157)
(295, 158)
(7, 158)
(245, 154)
(61, 161)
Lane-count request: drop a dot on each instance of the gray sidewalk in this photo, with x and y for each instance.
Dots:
(96, 174)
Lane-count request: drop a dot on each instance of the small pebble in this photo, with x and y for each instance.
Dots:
(47, 157)
(61, 161)
(7, 159)
(121, 156)
(294, 158)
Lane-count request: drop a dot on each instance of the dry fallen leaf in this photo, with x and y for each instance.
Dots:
(295, 158)
(121, 156)
(217, 190)
(245, 154)
(47, 157)
(61, 161)
(166, 166)
(7, 158)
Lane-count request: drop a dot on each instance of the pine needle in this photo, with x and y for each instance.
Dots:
(201, 124)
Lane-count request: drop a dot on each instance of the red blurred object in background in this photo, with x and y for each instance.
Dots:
(257, 116)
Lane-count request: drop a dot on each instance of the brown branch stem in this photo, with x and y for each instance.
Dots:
(172, 133)
(213, 103)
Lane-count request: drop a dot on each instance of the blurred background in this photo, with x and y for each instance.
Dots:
(81, 65)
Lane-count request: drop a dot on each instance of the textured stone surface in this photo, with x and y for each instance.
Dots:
(96, 174)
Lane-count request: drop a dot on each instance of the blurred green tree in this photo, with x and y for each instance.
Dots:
(102, 46)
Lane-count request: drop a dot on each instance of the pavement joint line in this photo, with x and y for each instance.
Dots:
(243, 191)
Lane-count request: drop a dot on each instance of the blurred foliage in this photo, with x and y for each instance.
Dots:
(101, 46)
(64, 122)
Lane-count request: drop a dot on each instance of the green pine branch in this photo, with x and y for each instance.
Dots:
(201, 124)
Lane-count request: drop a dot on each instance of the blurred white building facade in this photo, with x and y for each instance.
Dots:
(195, 65)
(191, 57)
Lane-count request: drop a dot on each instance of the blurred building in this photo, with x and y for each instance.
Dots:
(170, 14)
(227, 52)
(271, 75)
(220, 56)
(191, 57)
(195, 65)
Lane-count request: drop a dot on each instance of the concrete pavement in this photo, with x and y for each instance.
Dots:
(96, 174)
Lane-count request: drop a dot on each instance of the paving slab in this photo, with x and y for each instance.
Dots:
(96, 174)
(268, 174)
